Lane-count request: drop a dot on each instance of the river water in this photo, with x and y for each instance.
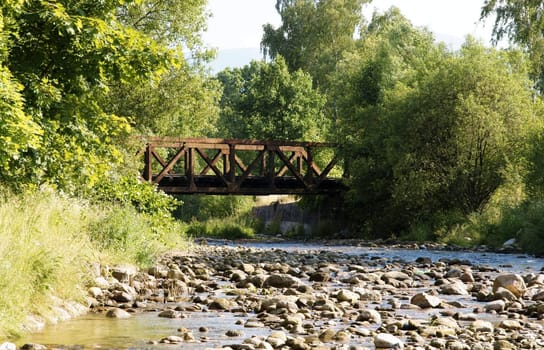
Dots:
(95, 331)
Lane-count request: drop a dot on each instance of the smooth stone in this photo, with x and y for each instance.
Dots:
(387, 341)
(8, 346)
(511, 281)
(482, 326)
(510, 324)
(277, 339)
(234, 333)
(172, 339)
(117, 313)
(455, 288)
(370, 315)
(281, 281)
(424, 300)
(170, 314)
(495, 305)
(347, 295)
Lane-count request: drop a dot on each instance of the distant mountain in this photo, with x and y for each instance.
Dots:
(235, 58)
(239, 57)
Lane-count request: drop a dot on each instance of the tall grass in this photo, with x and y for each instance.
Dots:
(44, 250)
(49, 242)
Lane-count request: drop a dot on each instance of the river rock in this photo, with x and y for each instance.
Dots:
(510, 324)
(320, 276)
(8, 346)
(482, 326)
(122, 297)
(424, 300)
(234, 333)
(101, 282)
(457, 345)
(124, 273)
(370, 315)
(277, 339)
(170, 314)
(172, 339)
(397, 275)
(512, 282)
(96, 292)
(222, 304)
(511, 243)
(454, 288)
(495, 305)
(503, 294)
(503, 345)
(33, 346)
(347, 295)
(387, 341)
(327, 335)
(281, 280)
(117, 313)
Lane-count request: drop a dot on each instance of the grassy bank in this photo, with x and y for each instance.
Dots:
(49, 243)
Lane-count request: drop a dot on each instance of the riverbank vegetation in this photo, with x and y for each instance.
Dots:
(436, 143)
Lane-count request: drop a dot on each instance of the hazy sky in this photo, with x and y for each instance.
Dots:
(238, 23)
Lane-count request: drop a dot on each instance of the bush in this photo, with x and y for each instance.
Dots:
(221, 229)
(525, 223)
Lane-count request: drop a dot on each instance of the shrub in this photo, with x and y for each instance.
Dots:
(229, 229)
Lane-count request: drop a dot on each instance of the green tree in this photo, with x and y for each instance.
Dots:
(522, 23)
(314, 34)
(64, 55)
(182, 101)
(429, 132)
(265, 101)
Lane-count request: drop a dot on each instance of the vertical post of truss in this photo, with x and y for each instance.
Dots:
(148, 170)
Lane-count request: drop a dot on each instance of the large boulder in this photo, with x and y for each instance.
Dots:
(512, 282)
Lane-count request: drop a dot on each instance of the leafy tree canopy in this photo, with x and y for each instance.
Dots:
(58, 59)
(428, 131)
(522, 22)
(265, 101)
(313, 34)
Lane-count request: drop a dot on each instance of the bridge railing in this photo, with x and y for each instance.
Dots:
(230, 166)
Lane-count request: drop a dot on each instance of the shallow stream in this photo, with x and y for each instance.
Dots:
(95, 331)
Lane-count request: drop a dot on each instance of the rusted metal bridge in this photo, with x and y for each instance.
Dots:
(243, 167)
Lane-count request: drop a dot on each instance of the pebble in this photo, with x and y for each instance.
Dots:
(327, 299)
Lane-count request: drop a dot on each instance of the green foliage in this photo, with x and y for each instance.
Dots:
(130, 191)
(181, 103)
(61, 57)
(18, 132)
(264, 101)
(202, 208)
(426, 131)
(314, 34)
(521, 21)
(169, 22)
(131, 236)
(49, 242)
(44, 250)
(230, 229)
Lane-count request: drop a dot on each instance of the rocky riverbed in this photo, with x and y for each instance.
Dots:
(323, 299)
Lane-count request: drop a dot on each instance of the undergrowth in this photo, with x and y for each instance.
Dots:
(49, 243)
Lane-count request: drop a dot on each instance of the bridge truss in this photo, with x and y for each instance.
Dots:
(244, 167)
